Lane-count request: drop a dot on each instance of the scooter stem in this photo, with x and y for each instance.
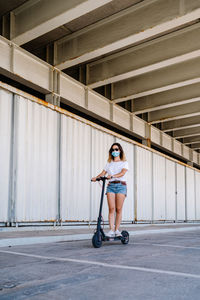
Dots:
(102, 196)
(101, 205)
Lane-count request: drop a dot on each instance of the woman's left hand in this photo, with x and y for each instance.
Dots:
(109, 177)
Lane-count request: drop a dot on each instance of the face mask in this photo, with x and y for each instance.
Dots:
(115, 153)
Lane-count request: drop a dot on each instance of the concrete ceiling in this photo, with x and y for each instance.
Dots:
(8, 5)
(142, 54)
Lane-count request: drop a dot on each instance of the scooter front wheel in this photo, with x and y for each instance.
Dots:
(125, 237)
(97, 241)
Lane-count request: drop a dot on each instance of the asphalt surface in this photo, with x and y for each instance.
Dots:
(153, 266)
(21, 236)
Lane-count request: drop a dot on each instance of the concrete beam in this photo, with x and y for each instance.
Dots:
(139, 108)
(158, 90)
(128, 27)
(181, 124)
(188, 132)
(169, 98)
(37, 17)
(147, 57)
(23, 67)
(195, 146)
(173, 113)
(168, 78)
(191, 140)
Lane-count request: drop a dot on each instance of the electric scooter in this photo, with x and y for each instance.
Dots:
(99, 234)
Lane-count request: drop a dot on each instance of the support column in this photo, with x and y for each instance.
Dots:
(50, 54)
(83, 74)
(172, 144)
(111, 111)
(135, 184)
(182, 149)
(5, 30)
(107, 91)
(54, 96)
(53, 99)
(86, 97)
(12, 171)
(132, 105)
(190, 162)
(12, 25)
(147, 140)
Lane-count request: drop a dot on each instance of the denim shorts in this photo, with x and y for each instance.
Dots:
(116, 188)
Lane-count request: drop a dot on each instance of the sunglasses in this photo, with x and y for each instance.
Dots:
(115, 149)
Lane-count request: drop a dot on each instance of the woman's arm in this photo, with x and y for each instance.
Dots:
(122, 173)
(103, 173)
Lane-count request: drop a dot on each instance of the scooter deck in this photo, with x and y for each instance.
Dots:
(116, 238)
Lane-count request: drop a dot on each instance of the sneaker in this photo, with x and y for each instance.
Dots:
(117, 233)
(110, 234)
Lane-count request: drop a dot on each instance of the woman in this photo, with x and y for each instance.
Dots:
(116, 168)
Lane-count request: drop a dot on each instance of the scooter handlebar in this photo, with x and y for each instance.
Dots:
(101, 178)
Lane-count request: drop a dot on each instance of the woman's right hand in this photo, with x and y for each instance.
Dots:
(93, 179)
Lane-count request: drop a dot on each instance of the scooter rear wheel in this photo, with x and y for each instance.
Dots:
(125, 237)
(97, 242)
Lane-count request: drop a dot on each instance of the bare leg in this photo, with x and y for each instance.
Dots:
(119, 204)
(111, 206)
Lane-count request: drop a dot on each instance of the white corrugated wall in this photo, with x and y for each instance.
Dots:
(144, 188)
(35, 161)
(190, 194)
(158, 187)
(197, 194)
(54, 157)
(170, 190)
(5, 148)
(75, 170)
(180, 190)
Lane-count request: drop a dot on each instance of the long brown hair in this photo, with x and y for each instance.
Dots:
(122, 155)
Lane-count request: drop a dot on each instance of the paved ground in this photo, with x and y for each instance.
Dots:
(151, 266)
(35, 235)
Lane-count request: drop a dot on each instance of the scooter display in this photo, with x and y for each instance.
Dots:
(99, 235)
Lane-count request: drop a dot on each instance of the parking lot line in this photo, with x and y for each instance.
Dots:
(80, 261)
(166, 245)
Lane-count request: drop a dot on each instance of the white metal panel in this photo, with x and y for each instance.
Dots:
(177, 147)
(75, 170)
(31, 68)
(128, 208)
(36, 161)
(144, 184)
(5, 54)
(36, 168)
(101, 143)
(158, 187)
(190, 194)
(139, 126)
(170, 190)
(180, 192)
(155, 135)
(98, 104)
(121, 116)
(167, 141)
(5, 143)
(197, 194)
(72, 90)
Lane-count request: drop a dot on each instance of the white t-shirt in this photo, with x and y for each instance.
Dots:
(115, 167)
